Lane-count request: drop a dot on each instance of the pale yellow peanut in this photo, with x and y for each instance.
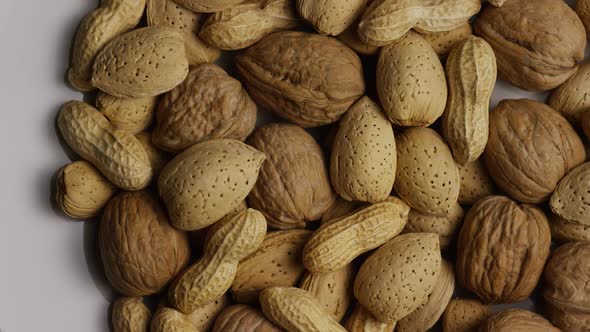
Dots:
(170, 320)
(130, 114)
(130, 314)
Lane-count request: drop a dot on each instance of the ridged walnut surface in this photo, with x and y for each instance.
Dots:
(140, 251)
(308, 79)
(208, 6)
(538, 44)
(501, 250)
(293, 186)
(512, 320)
(208, 104)
(130, 314)
(170, 320)
(116, 153)
(243, 318)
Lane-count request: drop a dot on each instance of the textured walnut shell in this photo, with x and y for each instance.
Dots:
(331, 17)
(566, 231)
(361, 320)
(411, 82)
(538, 44)
(208, 6)
(530, 148)
(243, 318)
(570, 198)
(140, 251)
(308, 79)
(446, 227)
(333, 289)
(130, 114)
(130, 314)
(363, 161)
(168, 13)
(170, 320)
(517, 237)
(208, 104)
(293, 186)
(475, 182)
(517, 320)
(572, 98)
(567, 276)
(464, 315)
(442, 42)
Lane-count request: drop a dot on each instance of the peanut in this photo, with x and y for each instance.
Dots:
(170, 320)
(130, 314)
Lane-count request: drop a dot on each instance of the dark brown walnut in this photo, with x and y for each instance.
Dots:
(566, 291)
(501, 250)
(140, 251)
(208, 104)
(530, 148)
(308, 79)
(293, 186)
(538, 44)
(517, 320)
(243, 318)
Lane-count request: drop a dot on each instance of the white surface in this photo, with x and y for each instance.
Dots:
(46, 280)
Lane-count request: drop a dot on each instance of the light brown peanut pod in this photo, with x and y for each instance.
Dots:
(81, 191)
(363, 162)
(296, 310)
(362, 320)
(229, 241)
(245, 24)
(276, 263)
(130, 114)
(464, 315)
(141, 63)
(130, 314)
(340, 208)
(471, 74)
(442, 42)
(331, 17)
(204, 317)
(112, 18)
(388, 20)
(572, 98)
(333, 289)
(475, 182)
(411, 82)
(170, 14)
(570, 198)
(208, 6)
(243, 318)
(170, 320)
(566, 231)
(337, 243)
(207, 181)
(116, 153)
(446, 227)
(157, 157)
(426, 315)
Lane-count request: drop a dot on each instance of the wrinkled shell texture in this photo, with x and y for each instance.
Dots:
(228, 242)
(158, 158)
(208, 6)
(340, 208)
(475, 182)
(116, 153)
(411, 82)
(583, 11)
(296, 310)
(363, 162)
(308, 79)
(567, 275)
(170, 320)
(207, 181)
(565, 231)
(442, 42)
(397, 278)
(112, 18)
(245, 24)
(243, 318)
(471, 73)
(293, 186)
(388, 20)
(168, 13)
(130, 114)
(530, 148)
(464, 315)
(501, 250)
(570, 200)
(129, 314)
(332, 289)
(572, 98)
(351, 38)
(336, 244)
(277, 262)
(204, 317)
(427, 176)
(331, 17)
(141, 63)
(446, 227)
(140, 251)
(517, 320)
(585, 119)
(538, 44)
(425, 316)
(208, 104)
(361, 320)
(81, 191)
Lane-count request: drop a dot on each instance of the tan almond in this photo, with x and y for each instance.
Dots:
(446, 227)
(464, 315)
(475, 182)
(331, 17)
(362, 320)
(333, 289)
(570, 198)
(130, 314)
(442, 42)
(566, 231)
(130, 114)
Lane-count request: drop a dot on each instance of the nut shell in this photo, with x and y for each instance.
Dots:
(361, 320)
(517, 320)
(566, 231)
(331, 17)
(243, 318)
(130, 114)
(130, 314)
(442, 42)
(333, 289)
(464, 315)
(446, 227)
(475, 182)
(570, 198)
(572, 99)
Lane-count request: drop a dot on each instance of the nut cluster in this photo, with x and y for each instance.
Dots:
(411, 185)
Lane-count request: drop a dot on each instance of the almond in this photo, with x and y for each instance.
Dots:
(464, 315)
(446, 227)
(570, 198)
(333, 289)
(566, 231)
(130, 114)
(572, 98)
(362, 320)
(475, 182)
(331, 17)
(442, 42)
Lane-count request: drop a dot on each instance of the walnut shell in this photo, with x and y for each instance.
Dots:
(140, 251)
(501, 250)
(293, 186)
(516, 320)
(243, 318)
(306, 78)
(464, 315)
(538, 44)
(530, 148)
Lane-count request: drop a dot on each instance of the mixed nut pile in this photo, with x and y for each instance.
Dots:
(413, 184)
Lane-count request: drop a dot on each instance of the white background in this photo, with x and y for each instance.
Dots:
(48, 271)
